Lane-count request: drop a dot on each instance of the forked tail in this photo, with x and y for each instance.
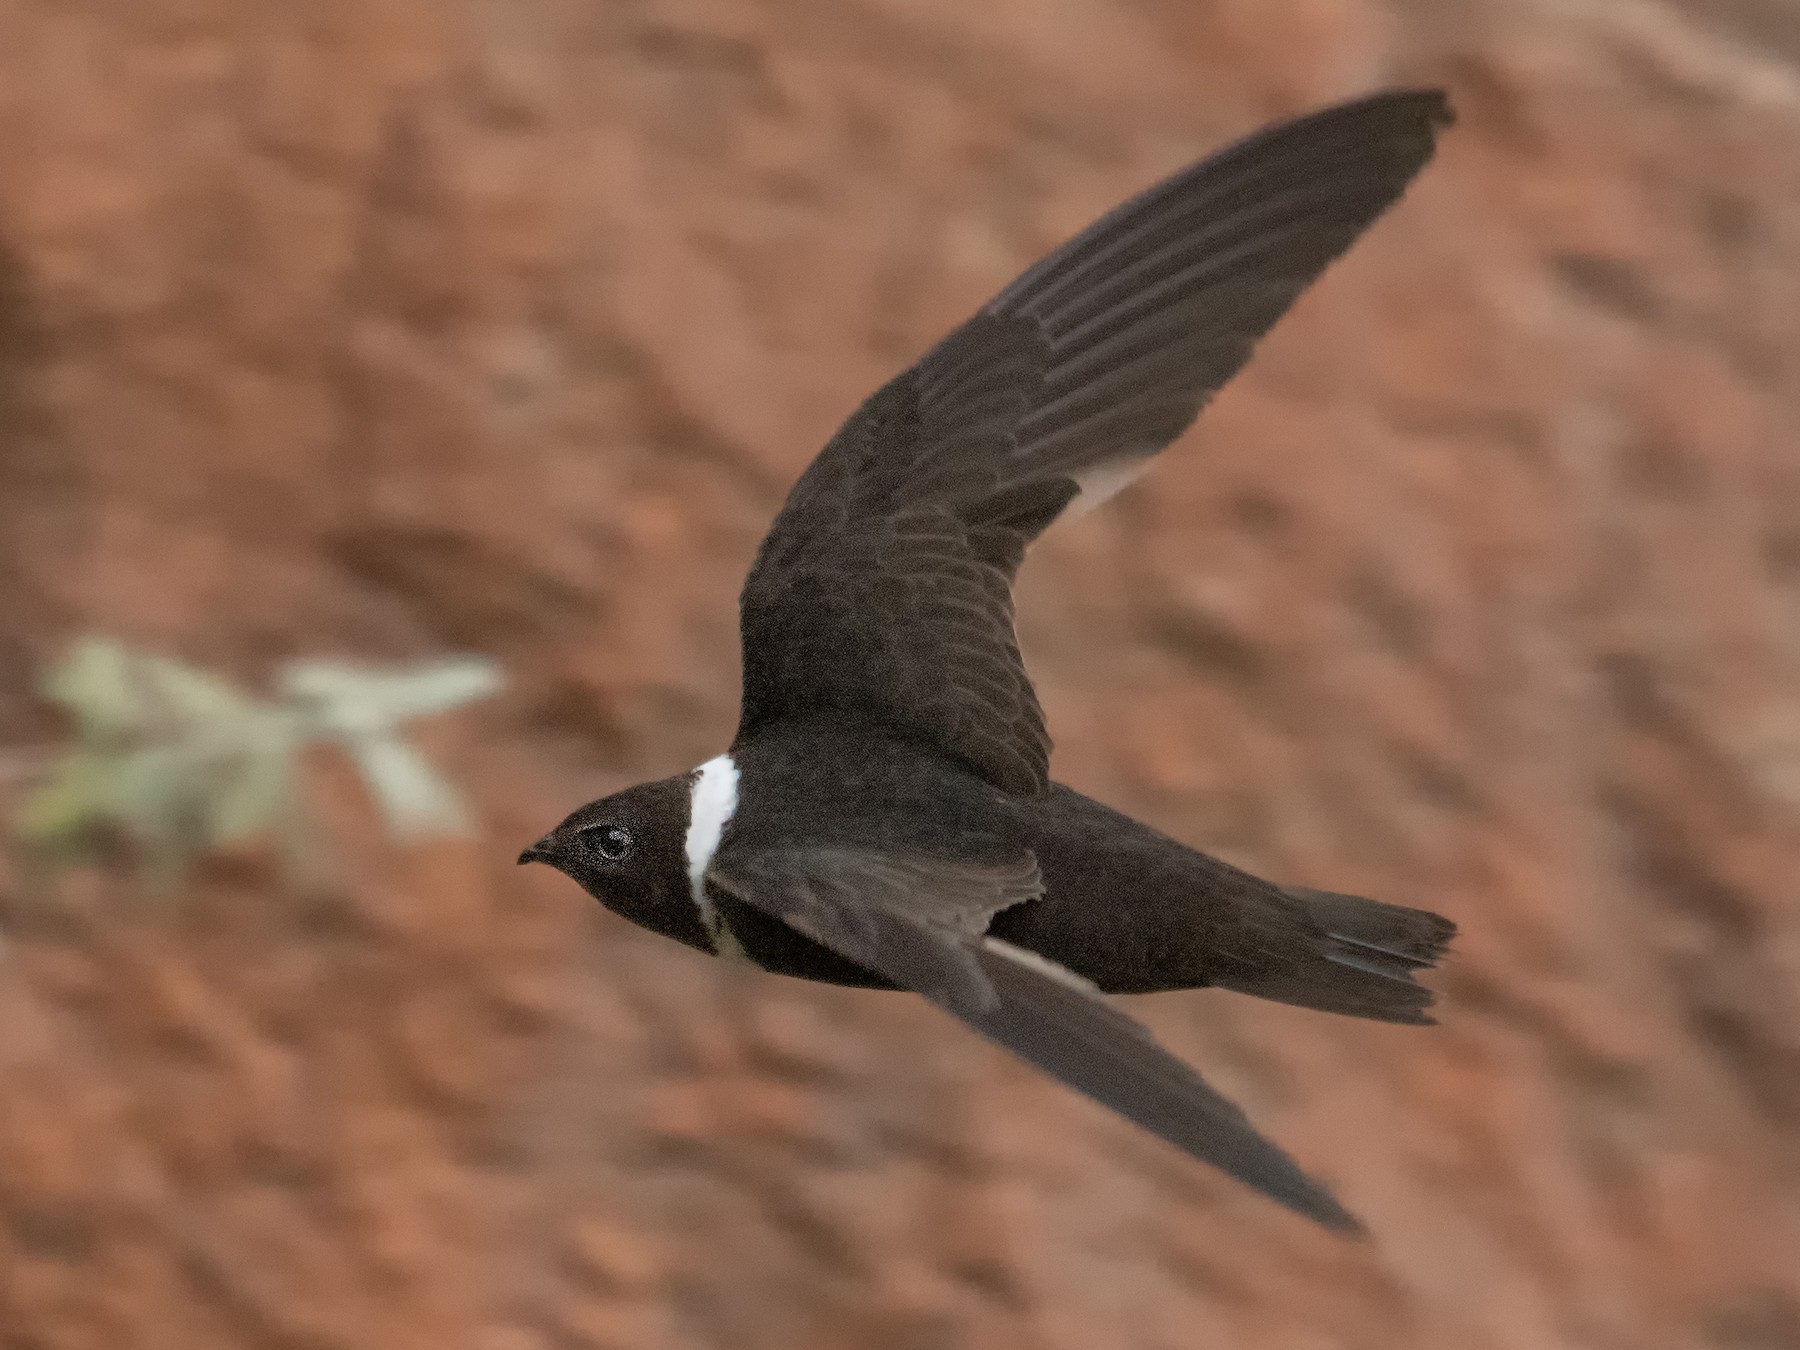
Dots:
(1359, 962)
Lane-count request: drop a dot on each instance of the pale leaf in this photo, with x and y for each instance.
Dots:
(96, 682)
(255, 788)
(191, 697)
(413, 797)
(351, 700)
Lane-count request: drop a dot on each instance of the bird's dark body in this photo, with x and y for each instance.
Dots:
(885, 815)
(1124, 906)
(826, 784)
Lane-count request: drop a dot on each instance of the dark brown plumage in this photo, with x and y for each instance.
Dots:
(885, 816)
(883, 592)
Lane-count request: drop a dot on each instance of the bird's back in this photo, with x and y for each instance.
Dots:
(1137, 912)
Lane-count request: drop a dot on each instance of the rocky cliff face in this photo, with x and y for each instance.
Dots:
(388, 327)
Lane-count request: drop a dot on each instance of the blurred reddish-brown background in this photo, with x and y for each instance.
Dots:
(393, 327)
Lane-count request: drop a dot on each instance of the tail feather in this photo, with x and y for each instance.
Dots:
(1360, 959)
(1393, 937)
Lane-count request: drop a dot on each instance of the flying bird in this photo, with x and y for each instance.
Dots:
(884, 817)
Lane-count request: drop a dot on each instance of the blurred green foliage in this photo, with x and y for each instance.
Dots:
(181, 761)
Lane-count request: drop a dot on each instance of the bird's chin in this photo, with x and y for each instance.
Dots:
(597, 894)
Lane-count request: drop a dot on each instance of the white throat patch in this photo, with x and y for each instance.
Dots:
(715, 799)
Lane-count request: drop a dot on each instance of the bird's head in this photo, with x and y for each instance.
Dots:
(629, 851)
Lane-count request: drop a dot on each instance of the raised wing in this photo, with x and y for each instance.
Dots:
(883, 592)
(919, 921)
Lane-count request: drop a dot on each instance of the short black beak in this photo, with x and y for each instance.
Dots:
(538, 852)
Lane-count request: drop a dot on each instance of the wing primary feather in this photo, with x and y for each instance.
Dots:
(1318, 214)
(1404, 119)
(1049, 1019)
(918, 921)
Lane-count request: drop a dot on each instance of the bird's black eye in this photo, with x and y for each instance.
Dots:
(612, 842)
